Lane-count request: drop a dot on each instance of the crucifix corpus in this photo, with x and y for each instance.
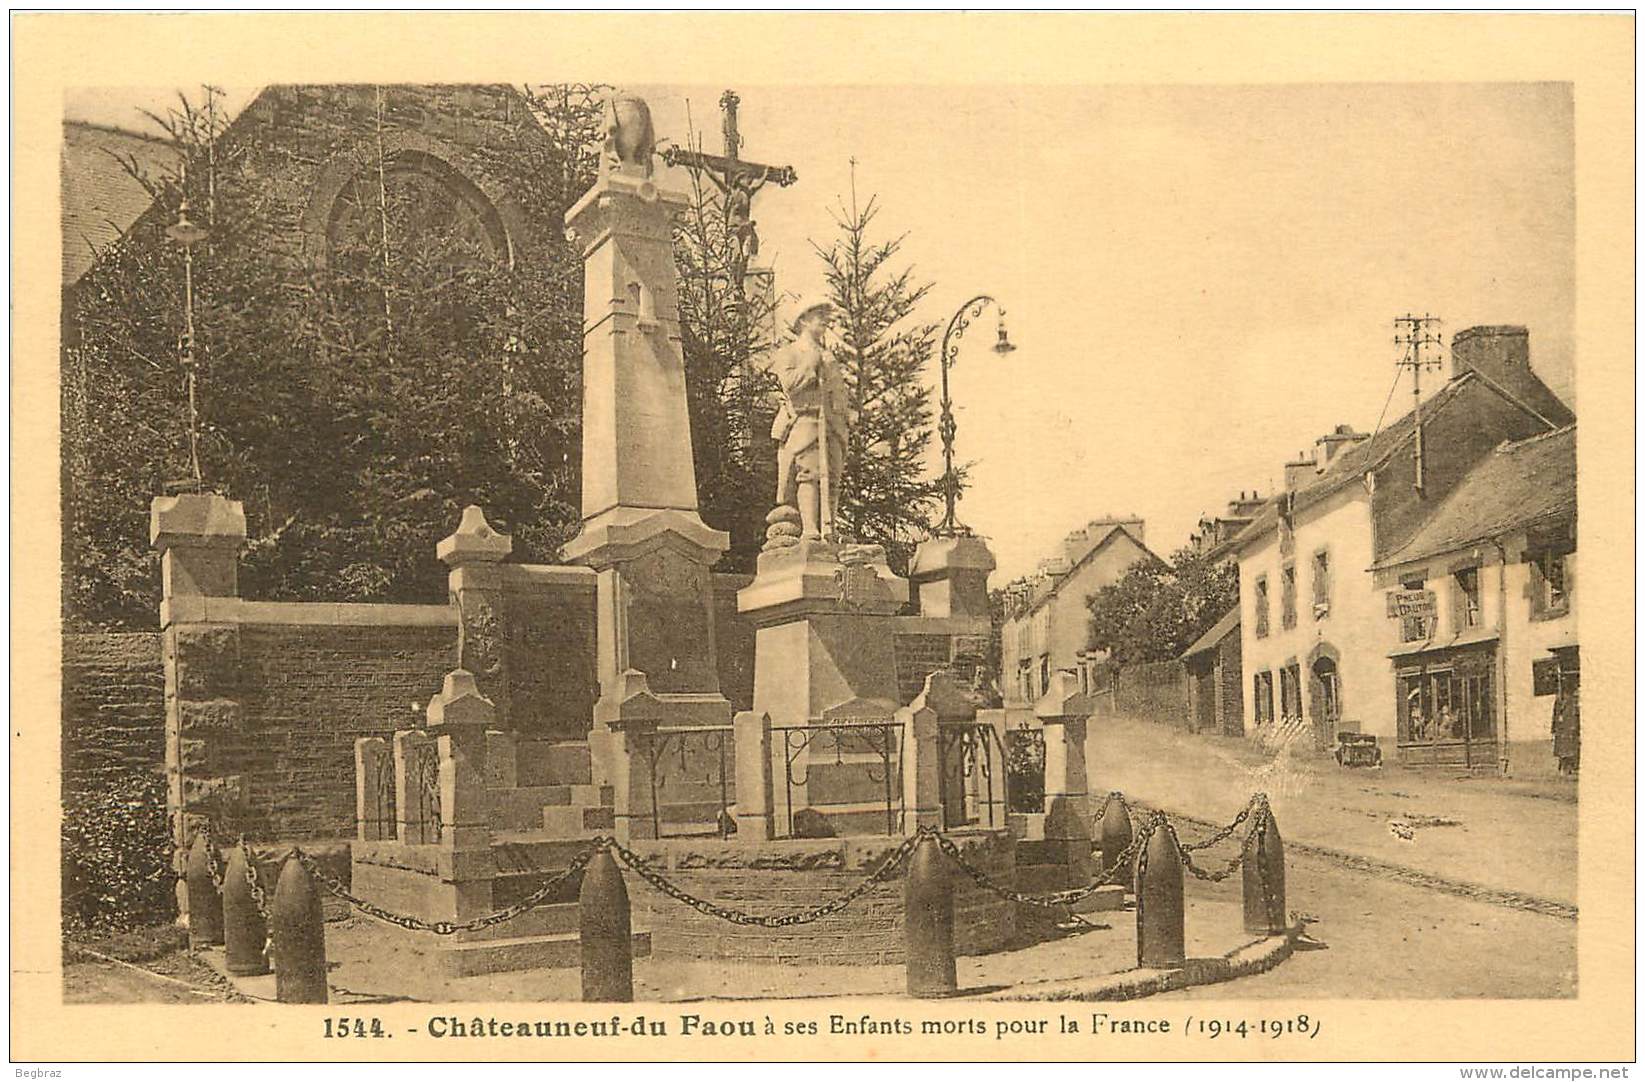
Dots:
(738, 181)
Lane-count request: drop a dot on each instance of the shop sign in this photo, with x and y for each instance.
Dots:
(1411, 603)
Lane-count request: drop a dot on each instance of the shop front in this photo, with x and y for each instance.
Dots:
(1447, 706)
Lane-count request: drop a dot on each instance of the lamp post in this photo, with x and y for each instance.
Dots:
(946, 427)
(187, 234)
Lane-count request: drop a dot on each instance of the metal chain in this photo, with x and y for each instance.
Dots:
(1054, 900)
(887, 868)
(1250, 806)
(447, 927)
(258, 896)
(214, 868)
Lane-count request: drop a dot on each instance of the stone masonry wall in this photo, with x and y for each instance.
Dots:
(262, 717)
(1153, 691)
(114, 711)
(789, 875)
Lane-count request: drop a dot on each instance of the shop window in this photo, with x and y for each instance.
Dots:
(1550, 589)
(1447, 705)
(1288, 596)
(1467, 598)
(1322, 584)
(1261, 594)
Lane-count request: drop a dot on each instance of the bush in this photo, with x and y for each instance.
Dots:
(117, 856)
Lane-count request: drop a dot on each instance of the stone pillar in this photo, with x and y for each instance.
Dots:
(641, 532)
(752, 733)
(921, 770)
(622, 746)
(950, 575)
(473, 552)
(1062, 711)
(502, 760)
(373, 780)
(457, 719)
(199, 536)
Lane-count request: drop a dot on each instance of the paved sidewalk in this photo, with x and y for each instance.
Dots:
(1501, 835)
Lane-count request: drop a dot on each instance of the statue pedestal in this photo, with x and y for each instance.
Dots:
(825, 623)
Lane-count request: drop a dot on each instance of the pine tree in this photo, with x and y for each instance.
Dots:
(887, 496)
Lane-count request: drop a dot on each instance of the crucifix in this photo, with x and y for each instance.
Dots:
(738, 181)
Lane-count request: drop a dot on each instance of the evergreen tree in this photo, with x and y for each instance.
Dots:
(886, 495)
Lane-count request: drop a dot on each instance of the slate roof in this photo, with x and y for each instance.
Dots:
(1218, 631)
(1354, 462)
(1047, 590)
(1517, 486)
(100, 199)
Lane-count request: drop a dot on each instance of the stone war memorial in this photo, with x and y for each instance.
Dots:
(549, 772)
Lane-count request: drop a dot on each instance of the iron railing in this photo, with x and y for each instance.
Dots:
(1025, 769)
(971, 757)
(661, 748)
(424, 783)
(377, 818)
(868, 743)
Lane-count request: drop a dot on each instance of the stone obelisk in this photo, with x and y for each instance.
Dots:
(641, 530)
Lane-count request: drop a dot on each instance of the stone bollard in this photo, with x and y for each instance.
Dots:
(1113, 830)
(928, 923)
(245, 934)
(205, 901)
(605, 933)
(1263, 878)
(1159, 900)
(299, 930)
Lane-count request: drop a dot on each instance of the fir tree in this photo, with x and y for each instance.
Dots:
(887, 497)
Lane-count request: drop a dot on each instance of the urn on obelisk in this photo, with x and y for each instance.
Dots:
(641, 528)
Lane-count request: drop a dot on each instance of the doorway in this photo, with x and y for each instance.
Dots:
(1325, 700)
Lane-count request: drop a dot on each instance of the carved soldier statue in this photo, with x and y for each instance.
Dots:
(815, 401)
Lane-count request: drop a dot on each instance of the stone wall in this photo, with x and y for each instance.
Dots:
(1153, 691)
(780, 876)
(113, 708)
(265, 701)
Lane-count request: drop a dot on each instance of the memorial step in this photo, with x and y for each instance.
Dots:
(473, 959)
(576, 820)
(552, 762)
(522, 809)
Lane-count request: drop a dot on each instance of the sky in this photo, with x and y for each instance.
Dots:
(1200, 280)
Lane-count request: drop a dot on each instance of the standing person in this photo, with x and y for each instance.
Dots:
(815, 398)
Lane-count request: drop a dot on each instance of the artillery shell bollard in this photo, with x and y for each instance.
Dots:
(299, 928)
(1263, 878)
(245, 934)
(1160, 937)
(928, 923)
(605, 932)
(205, 901)
(1113, 830)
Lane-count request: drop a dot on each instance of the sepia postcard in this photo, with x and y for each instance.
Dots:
(802, 536)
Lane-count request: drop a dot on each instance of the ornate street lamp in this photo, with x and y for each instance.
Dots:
(946, 427)
(187, 234)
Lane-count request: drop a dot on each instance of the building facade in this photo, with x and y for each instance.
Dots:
(1216, 702)
(1316, 633)
(1487, 670)
(1048, 622)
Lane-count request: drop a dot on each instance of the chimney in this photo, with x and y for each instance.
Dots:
(1332, 444)
(1076, 545)
(1298, 472)
(1501, 354)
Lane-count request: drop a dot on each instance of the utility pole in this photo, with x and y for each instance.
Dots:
(1417, 334)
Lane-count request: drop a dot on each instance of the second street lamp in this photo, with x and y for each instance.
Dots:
(946, 426)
